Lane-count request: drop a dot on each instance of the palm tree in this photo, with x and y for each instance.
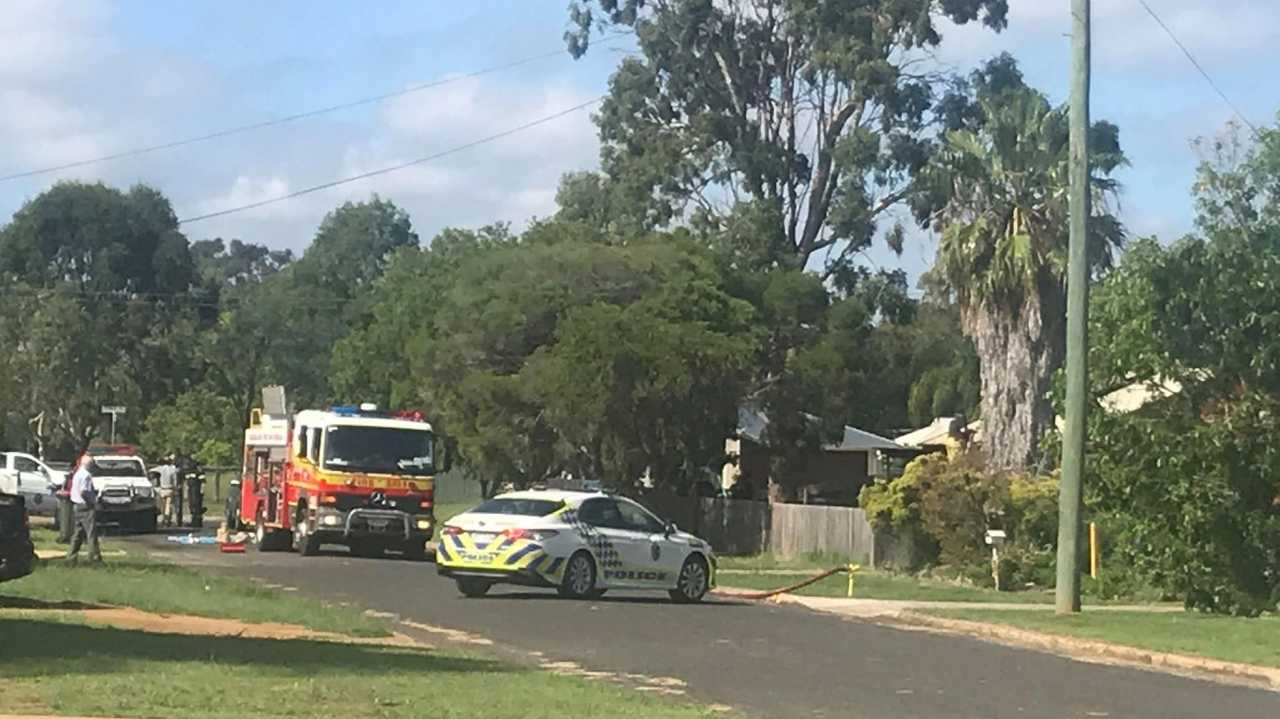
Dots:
(1003, 253)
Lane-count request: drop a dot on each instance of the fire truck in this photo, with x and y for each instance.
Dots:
(352, 475)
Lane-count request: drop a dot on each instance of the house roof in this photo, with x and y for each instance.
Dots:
(752, 424)
(857, 440)
(1133, 397)
(936, 432)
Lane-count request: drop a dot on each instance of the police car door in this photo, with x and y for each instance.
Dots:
(657, 554)
(615, 546)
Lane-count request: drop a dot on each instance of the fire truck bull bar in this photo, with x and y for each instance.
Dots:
(379, 517)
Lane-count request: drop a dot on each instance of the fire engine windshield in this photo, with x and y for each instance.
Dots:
(383, 450)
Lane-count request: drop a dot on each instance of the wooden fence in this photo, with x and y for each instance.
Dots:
(735, 526)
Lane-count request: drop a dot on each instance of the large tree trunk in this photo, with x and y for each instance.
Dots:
(1019, 348)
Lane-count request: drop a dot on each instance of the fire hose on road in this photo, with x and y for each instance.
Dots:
(850, 569)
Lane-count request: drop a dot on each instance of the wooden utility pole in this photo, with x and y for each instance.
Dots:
(1067, 593)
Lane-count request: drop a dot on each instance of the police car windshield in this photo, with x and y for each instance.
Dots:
(117, 468)
(523, 507)
(384, 450)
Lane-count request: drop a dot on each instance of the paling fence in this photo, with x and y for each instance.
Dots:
(734, 526)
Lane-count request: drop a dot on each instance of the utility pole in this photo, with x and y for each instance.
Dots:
(114, 411)
(1067, 593)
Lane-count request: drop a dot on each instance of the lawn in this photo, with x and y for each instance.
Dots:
(170, 589)
(814, 562)
(1234, 639)
(444, 512)
(46, 537)
(61, 667)
(880, 585)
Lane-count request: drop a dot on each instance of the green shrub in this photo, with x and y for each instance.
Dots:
(949, 503)
(1024, 567)
(1032, 515)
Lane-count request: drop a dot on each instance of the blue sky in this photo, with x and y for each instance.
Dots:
(80, 78)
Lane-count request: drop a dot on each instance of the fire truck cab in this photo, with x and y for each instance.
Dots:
(352, 476)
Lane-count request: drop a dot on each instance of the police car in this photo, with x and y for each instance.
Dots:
(580, 543)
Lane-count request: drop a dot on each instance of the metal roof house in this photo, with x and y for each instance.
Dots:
(834, 475)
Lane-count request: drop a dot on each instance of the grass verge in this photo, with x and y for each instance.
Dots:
(61, 667)
(1232, 639)
(170, 589)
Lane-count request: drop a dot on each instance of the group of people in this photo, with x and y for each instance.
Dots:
(84, 503)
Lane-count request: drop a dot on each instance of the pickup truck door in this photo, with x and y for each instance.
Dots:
(33, 483)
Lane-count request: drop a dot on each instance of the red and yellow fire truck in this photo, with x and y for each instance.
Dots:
(351, 475)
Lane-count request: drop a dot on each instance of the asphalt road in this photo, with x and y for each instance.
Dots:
(763, 660)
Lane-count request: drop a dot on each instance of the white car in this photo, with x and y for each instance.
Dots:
(580, 543)
(35, 481)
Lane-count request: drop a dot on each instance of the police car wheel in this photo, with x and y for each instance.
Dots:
(579, 577)
(471, 587)
(692, 584)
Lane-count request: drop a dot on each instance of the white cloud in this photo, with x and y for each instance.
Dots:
(55, 109)
(43, 38)
(1124, 35)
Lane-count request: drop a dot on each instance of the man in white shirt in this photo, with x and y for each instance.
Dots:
(84, 501)
(168, 483)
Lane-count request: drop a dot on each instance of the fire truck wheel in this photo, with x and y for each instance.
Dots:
(304, 542)
(268, 540)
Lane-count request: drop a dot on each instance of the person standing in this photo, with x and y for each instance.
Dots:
(84, 501)
(168, 488)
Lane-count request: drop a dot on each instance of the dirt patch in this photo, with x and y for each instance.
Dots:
(185, 624)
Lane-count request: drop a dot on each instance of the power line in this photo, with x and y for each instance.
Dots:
(1198, 66)
(280, 120)
(393, 168)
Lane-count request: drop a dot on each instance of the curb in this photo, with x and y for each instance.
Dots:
(1092, 650)
(1088, 650)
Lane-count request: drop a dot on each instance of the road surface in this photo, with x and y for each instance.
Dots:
(763, 660)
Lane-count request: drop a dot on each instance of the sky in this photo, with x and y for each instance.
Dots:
(85, 78)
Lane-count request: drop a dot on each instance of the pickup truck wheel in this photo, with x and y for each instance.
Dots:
(146, 522)
(415, 551)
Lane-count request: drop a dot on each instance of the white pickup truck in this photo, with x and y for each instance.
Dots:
(125, 494)
(35, 481)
